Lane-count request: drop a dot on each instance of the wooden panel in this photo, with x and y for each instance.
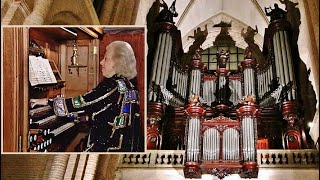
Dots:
(15, 89)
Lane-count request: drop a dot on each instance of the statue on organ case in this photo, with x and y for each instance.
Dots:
(167, 14)
(223, 58)
(276, 13)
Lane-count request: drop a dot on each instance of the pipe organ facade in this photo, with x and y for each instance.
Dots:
(220, 116)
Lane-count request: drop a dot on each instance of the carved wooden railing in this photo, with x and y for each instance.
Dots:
(272, 158)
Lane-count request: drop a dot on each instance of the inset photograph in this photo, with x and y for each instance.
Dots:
(73, 89)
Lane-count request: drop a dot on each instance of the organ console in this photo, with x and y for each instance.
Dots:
(235, 111)
(47, 131)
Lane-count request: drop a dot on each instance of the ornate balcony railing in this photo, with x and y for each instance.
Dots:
(272, 158)
(288, 158)
(154, 158)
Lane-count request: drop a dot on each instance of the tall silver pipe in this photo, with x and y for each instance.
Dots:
(156, 59)
(236, 145)
(275, 47)
(160, 60)
(259, 86)
(189, 141)
(198, 82)
(191, 83)
(245, 80)
(205, 145)
(193, 139)
(179, 83)
(228, 145)
(185, 83)
(209, 141)
(284, 58)
(198, 139)
(252, 139)
(245, 137)
(264, 82)
(156, 69)
(204, 91)
(253, 90)
(211, 91)
(213, 144)
(268, 79)
(165, 59)
(174, 76)
(290, 64)
(168, 59)
(250, 81)
(195, 90)
(223, 147)
(281, 68)
(233, 145)
(249, 139)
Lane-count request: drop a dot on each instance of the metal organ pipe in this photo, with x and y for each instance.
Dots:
(195, 82)
(193, 140)
(245, 140)
(253, 91)
(191, 83)
(290, 65)
(198, 81)
(248, 139)
(204, 91)
(245, 82)
(213, 134)
(168, 59)
(264, 82)
(284, 58)
(174, 77)
(205, 146)
(259, 86)
(268, 79)
(179, 83)
(276, 55)
(184, 86)
(161, 63)
(164, 64)
(154, 69)
(160, 60)
(280, 60)
(249, 81)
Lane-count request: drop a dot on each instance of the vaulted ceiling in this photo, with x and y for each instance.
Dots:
(244, 13)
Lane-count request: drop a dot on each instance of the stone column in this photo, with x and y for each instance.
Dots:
(39, 13)
(58, 167)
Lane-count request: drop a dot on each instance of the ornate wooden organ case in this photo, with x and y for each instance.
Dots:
(229, 114)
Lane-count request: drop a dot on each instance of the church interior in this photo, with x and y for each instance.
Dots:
(231, 90)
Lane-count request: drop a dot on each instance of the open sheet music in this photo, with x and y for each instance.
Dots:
(40, 71)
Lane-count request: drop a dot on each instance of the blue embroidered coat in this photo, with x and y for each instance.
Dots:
(113, 110)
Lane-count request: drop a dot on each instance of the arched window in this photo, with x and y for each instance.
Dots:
(209, 57)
